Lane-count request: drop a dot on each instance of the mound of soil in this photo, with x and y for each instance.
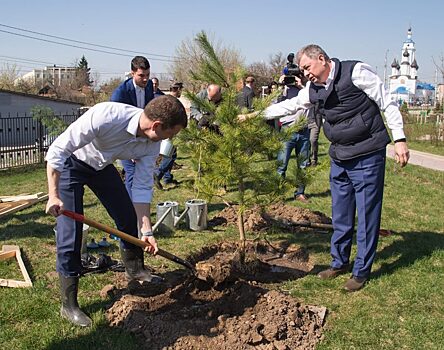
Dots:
(257, 220)
(236, 312)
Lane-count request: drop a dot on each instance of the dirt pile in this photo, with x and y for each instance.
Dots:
(236, 312)
(256, 220)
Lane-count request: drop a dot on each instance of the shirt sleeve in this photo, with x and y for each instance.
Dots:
(143, 181)
(290, 106)
(366, 79)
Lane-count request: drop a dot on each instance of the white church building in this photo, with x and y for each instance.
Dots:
(404, 85)
(404, 77)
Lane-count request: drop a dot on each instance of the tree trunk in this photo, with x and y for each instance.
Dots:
(240, 221)
(240, 225)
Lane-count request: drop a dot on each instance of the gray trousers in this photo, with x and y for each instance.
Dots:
(314, 136)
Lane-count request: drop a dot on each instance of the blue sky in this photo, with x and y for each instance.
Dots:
(364, 30)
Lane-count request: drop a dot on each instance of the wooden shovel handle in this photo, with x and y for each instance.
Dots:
(126, 237)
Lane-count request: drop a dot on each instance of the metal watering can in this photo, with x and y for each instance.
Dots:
(197, 214)
(167, 216)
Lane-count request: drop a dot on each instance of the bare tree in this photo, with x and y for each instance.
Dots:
(440, 65)
(8, 75)
(265, 73)
(189, 55)
(10, 80)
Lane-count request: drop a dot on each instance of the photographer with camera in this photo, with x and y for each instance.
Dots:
(291, 71)
(294, 81)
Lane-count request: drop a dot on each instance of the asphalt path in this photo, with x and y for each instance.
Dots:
(426, 160)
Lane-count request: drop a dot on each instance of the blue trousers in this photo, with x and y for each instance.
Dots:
(356, 185)
(129, 167)
(109, 189)
(300, 142)
(165, 167)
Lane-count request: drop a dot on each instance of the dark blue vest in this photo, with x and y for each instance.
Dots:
(353, 122)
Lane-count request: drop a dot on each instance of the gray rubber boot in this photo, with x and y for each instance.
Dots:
(134, 267)
(70, 307)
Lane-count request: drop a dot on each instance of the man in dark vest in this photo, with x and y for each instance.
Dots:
(350, 97)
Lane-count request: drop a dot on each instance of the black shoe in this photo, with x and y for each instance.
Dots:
(172, 182)
(70, 307)
(157, 182)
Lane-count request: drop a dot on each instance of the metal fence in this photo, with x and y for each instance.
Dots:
(24, 140)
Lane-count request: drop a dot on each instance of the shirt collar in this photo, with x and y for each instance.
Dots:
(137, 87)
(330, 77)
(133, 124)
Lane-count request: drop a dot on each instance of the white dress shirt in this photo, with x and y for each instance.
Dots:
(364, 78)
(106, 132)
(140, 95)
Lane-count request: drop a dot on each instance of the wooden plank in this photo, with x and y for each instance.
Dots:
(7, 252)
(12, 207)
(37, 195)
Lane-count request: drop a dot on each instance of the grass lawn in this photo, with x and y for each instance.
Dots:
(401, 307)
(428, 147)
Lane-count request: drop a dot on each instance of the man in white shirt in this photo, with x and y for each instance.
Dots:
(350, 97)
(84, 155)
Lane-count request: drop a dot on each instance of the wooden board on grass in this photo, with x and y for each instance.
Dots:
(12, 204)
(13, 251)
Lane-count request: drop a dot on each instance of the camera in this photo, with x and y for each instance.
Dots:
(291, 71)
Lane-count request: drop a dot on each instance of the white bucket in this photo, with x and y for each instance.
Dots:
(85, 230)
(166, 148)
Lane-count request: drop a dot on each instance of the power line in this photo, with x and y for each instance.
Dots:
(27, 60)
(84, 42)
(79, 47)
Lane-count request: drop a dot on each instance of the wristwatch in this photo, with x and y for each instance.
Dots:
(147, 233)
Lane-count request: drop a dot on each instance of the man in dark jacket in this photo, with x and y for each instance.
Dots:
(156, 90)
(135, 91)
(246, 95)
(350, 97)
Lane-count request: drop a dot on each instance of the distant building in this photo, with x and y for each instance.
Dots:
(402, 83)
(53, 75)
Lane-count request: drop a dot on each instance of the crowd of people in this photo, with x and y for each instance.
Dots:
(345, 98)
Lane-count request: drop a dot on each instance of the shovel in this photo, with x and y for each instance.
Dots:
(128, 238)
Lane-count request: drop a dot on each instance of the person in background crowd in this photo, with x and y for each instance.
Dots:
(167, 163)
(136, 91)
(246, 95)
(156, 90)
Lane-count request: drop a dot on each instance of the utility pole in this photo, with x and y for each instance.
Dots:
(385, 69)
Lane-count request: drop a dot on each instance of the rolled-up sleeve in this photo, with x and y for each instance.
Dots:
(143, 181)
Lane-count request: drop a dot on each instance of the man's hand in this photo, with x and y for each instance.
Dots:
(243, 117)
(54, 206)
(402, 154)
(152, 248)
